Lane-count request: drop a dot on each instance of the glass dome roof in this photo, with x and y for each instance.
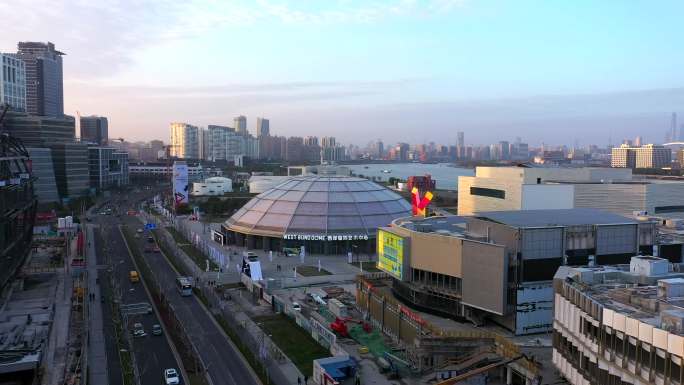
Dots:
(316, 205)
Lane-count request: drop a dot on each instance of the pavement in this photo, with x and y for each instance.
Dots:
(152, 354)
(224, 362)
(97, 357)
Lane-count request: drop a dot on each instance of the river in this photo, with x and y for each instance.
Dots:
(446, 177)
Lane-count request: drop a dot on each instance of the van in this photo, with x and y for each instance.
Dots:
(133, 276)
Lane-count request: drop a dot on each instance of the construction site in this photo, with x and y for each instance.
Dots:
(43, 324)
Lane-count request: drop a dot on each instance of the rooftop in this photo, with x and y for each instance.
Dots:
(446, 225)
(559, 217)
(649, 289)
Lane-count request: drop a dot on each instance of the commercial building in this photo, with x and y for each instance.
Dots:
(72, 171)
(45, 184)
(94, 130)
(525, 188)
(214, 186)
(40, 131)
(196, 172)
(498, 266)
(324, 214)
(185, 141)
(648, 156)
(263, 128)
(44, 78)
(240, 124)
(108, 167)
(620, 324)
(13, 82)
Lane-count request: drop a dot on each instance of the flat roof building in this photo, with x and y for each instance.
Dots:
(499, 266)
(526, 188)
(620, 324)
(646, 156)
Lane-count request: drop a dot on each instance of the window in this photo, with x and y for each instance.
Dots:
(660, 362)
(631, 349)
(675, 369)
(488, 192)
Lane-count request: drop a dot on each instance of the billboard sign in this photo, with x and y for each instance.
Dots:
(392, 256)
(180, 183)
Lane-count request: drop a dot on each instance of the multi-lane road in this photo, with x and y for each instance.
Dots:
(225, 364)
(152, 353)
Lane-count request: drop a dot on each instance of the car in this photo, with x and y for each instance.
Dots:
(171, 377)
(137, 235)
(140, 231)
(252, 257)
(296, 306)
(150, 239)
(156, 330)
(138, 330)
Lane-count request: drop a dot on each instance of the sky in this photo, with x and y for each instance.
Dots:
(554, 72)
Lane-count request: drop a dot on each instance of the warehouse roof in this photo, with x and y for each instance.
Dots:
(560, 217)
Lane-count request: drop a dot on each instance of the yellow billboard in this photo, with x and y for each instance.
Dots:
(391, 253)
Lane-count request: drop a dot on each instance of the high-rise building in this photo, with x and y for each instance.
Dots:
(40, 131)
(108, 167)
(311, 141)
(262, 127)
(460, 139)
(648, 156)
(45, 185)
(673, 128)
(380, 147)
(44, 79)
(95, 129)
(294, 149)
(218, 141)
(72, 171)
(328, 141)
(240, 123)
(504, 150)
(13, 82)
(638, 141)
(185, 141)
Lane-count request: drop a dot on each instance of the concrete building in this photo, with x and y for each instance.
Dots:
(13, 82)
(525, 188)
(44, 78)
(108, 168)
(240, 124)
(498, 266)
(648, 156)
(214, 186)
(72, 172)
(218, 141)
(95, 130)
(263, 128)
(511, 188)
(620, 324)
(196, 172)
(45, 184)
(185, 141)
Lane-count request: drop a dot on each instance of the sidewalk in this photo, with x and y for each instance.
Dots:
(97, 358)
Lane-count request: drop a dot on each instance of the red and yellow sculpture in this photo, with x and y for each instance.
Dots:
(420, 204)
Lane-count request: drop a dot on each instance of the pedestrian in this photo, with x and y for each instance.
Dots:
(306, 379)
(299, 380)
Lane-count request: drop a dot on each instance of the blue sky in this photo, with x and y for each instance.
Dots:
(548, 71)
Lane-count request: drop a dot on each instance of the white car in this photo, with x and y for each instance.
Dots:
(171, 377)
(296, 306)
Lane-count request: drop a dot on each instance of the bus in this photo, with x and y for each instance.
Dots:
(184, 286)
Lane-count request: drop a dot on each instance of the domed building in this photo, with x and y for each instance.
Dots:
(326, 214)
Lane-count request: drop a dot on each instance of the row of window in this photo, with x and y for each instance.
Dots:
(488, 192)
(436, 280)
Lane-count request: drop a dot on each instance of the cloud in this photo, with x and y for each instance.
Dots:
(102, 37)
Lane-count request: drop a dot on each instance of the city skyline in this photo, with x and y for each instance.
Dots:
(409, 71)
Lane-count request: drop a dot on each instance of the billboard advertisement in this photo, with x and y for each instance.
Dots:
(391, 253)
(180, 183)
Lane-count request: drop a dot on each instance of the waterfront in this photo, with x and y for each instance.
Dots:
(445, 175)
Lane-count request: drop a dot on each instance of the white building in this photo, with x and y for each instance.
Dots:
(13, 82)
(648, 156)
(185, 141)
(610, 189)
(617, 326)
(214, 186)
